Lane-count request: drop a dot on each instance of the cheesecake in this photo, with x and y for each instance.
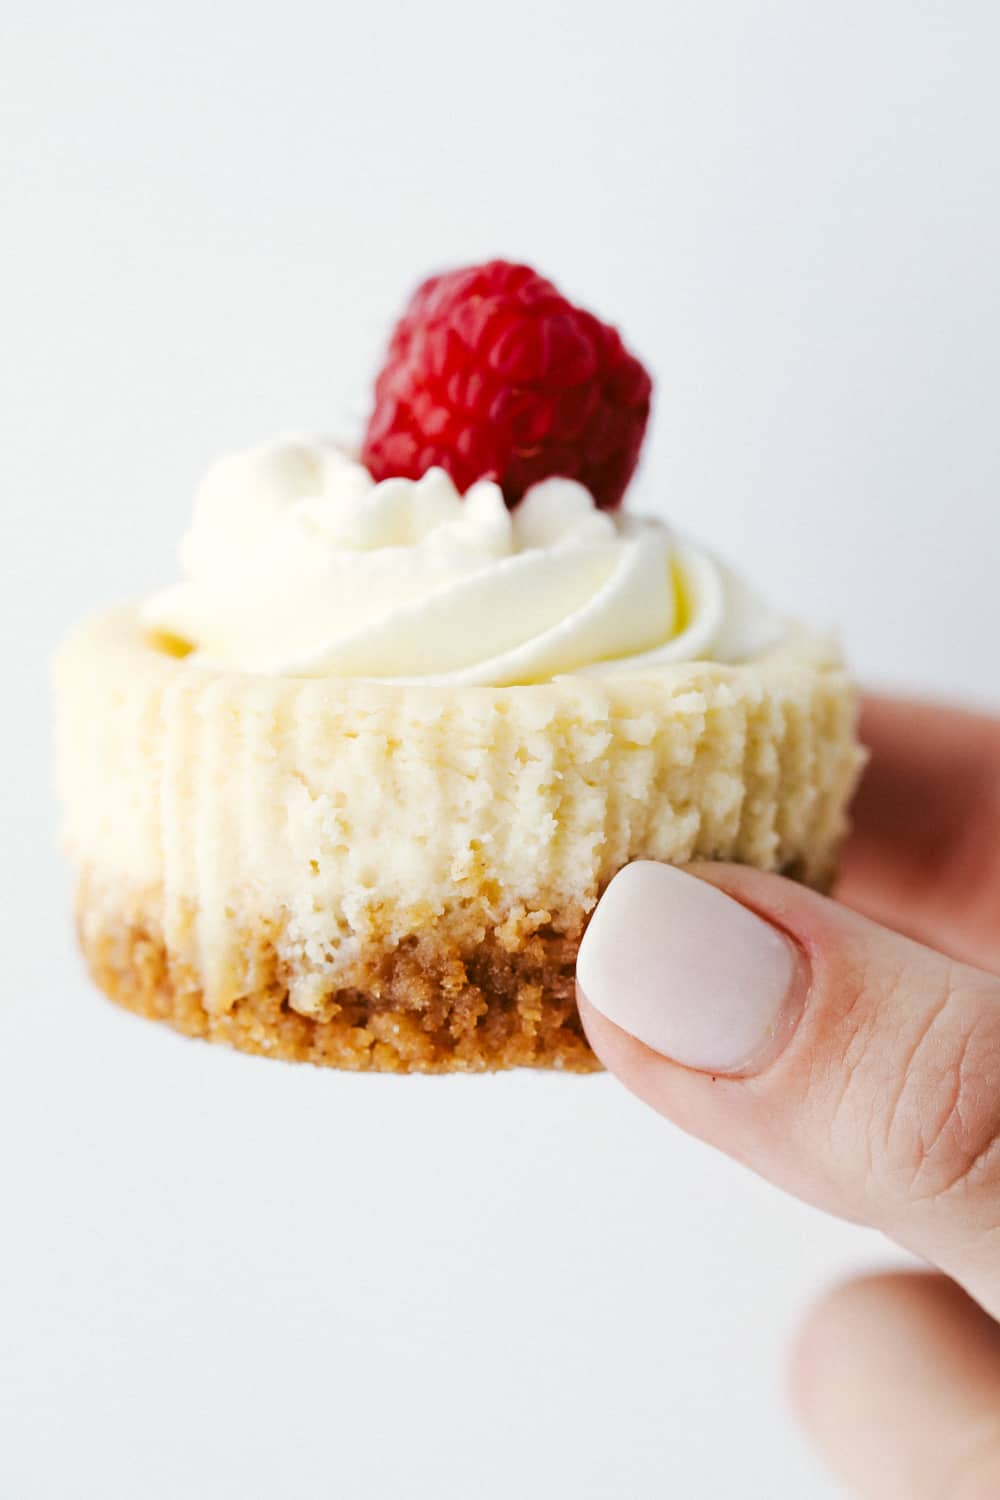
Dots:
(348, 792)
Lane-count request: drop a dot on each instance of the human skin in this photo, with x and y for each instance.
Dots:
(872, 1089)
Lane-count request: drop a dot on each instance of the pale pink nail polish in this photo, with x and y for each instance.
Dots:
(686, 969)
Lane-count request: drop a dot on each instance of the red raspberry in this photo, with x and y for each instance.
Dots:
(492, 374)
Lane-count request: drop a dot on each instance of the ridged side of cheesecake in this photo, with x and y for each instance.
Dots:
(299, 866)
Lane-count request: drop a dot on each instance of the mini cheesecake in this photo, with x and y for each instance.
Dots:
(349, 792)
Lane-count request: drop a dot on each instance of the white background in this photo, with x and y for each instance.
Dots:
(224, 1277)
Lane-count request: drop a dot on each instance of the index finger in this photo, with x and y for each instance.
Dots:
(924, 856)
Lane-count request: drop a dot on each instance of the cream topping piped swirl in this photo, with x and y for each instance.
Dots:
(297, 563)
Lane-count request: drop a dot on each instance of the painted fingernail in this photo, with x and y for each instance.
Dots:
(686, 969)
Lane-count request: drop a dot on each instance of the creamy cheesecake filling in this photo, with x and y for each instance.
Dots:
(298, 564)
(343, 817)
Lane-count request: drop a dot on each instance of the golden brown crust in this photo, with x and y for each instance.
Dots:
(430, 1004)
(461, 996)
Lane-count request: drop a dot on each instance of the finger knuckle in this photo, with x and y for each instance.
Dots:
(936, 1127)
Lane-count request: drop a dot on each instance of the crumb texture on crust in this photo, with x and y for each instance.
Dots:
(458, 997)
(454, 999)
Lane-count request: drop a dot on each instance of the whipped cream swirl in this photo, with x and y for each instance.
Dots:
(298, 563)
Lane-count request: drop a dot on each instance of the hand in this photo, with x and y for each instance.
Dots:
(856, 1068)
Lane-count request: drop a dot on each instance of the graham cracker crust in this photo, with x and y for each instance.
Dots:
(462, 995)
(425, 1005)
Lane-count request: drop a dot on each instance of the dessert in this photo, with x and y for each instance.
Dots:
(350, 790)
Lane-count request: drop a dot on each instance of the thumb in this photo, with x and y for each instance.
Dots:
(853, 1067)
